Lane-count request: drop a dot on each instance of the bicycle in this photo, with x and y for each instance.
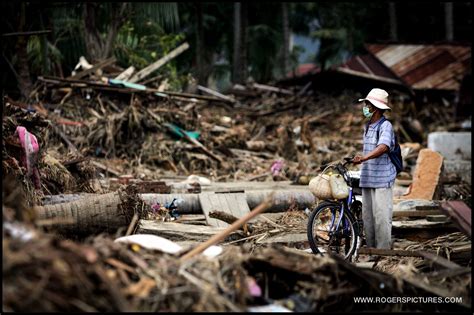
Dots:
(335, 226)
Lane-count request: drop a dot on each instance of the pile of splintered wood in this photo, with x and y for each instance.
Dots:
(48, 274)
(445, 269)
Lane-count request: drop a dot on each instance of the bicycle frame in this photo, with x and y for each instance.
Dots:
(345, 205)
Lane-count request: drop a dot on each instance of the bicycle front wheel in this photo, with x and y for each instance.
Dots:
(332, 231)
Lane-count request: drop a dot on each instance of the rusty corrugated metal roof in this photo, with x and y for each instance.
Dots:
(425, 66)
(367, 66)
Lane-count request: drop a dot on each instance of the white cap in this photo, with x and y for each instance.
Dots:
(378, 97)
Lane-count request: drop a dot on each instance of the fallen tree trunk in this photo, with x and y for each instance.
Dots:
(94, 215)
(109, 212)
(283, 199)
(189, 203)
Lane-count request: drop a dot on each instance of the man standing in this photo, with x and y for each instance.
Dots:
(377, 172)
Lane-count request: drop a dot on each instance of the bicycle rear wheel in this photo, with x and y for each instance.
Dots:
(326, 236)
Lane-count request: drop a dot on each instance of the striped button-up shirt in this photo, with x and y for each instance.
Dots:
(379, 172)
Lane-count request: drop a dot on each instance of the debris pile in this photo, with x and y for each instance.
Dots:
(48, 274)
(103, 144)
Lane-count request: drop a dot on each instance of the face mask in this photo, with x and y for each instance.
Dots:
(366, 112)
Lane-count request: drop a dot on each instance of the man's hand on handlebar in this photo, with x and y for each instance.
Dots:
(357, 159)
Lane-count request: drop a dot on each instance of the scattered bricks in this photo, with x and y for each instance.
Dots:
(153, 187)
(426, 177)
(125, 179)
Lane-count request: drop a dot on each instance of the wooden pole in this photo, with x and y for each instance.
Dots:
(98, 66)
(222, 235)
(215, 93)
(154, 66)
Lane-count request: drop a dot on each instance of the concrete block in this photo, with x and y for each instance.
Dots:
(451, 145)
(426, 178)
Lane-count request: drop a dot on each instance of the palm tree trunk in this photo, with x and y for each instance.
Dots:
(392, 11)
(24, 80)
(237, 43)
(94, 42)
(244, 41)
(200, 45)
(286, 39)
(99, 47)
(448, 20)
(93, 215)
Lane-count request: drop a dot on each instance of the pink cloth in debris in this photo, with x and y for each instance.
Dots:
(30, 158)
(276, 167)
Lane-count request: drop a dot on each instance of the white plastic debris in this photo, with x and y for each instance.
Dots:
(18, 231)
(212, 251)
(201, 180)
(269, 308)
(154, 242)
(150, 241)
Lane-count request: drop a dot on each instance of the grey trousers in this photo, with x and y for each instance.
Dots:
(377, 207)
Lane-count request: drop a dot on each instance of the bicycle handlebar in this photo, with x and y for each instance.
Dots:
(347, 160)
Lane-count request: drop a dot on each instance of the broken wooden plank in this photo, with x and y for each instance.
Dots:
(199, 219)
(389, 252)
(126, 74)
(98, 66)
(210, 202)
(419, 224)
(215, 93)
(223, 216)
(157, 64)
(437, 218)
(427, 207)
(105, 168)
(286, 239)
(235, 204)
(229, 219)
(222, 235)
(178, 231)
(460, 213)
(414, 213)
(128, 90)
(441, 261)
(272, 89)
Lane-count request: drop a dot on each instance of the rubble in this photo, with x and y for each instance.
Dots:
(120, 160)
(103, 275)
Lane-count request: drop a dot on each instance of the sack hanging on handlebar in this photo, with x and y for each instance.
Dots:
(339, 188)
(320, 186)
(329, 186)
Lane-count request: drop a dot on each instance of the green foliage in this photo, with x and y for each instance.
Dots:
(164, 14)
(262, 61)
(67, 28)
(41, 58)
(145, 47)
